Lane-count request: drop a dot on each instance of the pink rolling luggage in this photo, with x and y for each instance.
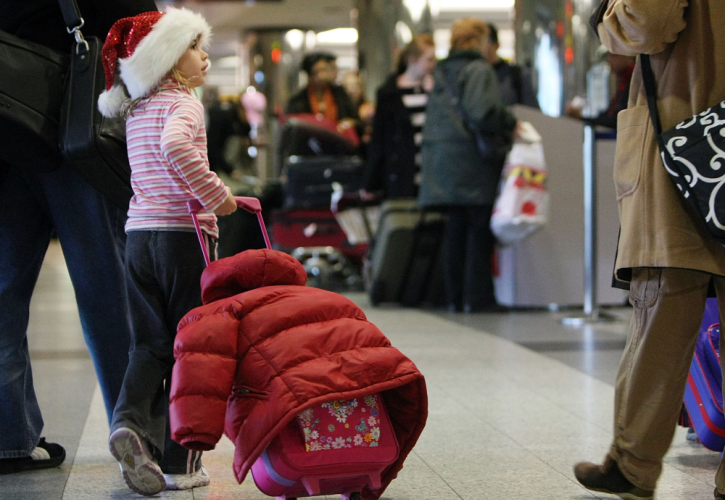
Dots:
(332, 448)
(338, 447)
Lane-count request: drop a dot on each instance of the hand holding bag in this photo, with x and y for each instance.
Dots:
(693, 152)
(95, 145)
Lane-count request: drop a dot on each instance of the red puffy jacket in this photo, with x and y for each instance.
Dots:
(264, 348)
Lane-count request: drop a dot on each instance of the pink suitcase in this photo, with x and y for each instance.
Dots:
(332, 448)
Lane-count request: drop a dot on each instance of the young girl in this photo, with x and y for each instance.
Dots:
(160, 60)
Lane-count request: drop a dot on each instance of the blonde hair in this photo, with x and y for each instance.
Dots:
(414, 50)
(468, 33)
(130, 104)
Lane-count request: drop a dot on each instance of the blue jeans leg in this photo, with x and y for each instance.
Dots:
(25, 228)
(91, 233)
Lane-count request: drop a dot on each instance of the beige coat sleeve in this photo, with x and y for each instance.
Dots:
(633, 27)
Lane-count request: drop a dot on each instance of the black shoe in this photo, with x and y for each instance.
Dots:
(607, 478)
(56, 452)
(719, 496)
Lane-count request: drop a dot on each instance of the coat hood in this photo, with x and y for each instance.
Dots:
(249, 270)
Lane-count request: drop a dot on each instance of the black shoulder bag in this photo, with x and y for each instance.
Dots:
(32, 77)
(693, 152)
(49, 111)
(95, 145)
(493, 146)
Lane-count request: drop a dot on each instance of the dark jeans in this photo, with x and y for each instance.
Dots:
(163, 269)
(467, 252)
(91, 234)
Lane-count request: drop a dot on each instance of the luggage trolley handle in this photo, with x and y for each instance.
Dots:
(247, 203)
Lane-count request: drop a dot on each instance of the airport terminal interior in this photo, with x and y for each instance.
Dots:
(516, 396)
(515, 399)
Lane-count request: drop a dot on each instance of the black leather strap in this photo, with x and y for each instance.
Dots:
(71, 14)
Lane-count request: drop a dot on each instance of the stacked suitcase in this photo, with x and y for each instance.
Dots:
(313, 157)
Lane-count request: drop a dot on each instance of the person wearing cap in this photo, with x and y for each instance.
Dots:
(152, 62)
(33, 208)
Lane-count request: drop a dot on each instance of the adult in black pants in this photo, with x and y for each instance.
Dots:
(34, 206)
(393, 160)
(454, 175)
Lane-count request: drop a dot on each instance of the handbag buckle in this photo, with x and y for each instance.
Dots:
(79, 37)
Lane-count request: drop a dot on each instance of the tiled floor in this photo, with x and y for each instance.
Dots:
(515, 400)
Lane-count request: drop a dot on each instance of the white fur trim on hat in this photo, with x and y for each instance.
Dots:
(110, 101)
(160, 50)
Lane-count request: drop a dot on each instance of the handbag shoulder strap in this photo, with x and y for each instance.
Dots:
(650, 88)
(71, 14)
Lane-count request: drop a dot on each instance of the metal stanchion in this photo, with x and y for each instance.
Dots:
(591, 313)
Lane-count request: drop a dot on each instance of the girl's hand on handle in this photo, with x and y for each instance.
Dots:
(229, 205)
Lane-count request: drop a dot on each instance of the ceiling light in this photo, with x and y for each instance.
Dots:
(338, 36)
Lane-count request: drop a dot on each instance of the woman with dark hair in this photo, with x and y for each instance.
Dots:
(393, 165)
(322, 96)
(455, 176)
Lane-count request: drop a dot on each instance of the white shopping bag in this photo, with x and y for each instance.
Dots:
(522, 203)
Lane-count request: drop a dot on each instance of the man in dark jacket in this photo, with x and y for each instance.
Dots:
(90, 230)
(514, 81)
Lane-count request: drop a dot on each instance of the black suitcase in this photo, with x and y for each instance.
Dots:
(309, 179)
(404, 254)
(303, 135)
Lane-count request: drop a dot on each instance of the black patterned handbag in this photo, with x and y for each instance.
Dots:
(693, 152)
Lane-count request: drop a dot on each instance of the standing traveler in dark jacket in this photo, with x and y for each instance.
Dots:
(90, 230)
(453, 173)
(393, 163)
(514, 81)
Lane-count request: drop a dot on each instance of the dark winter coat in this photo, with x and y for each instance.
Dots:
(452, 170)
(391, 154)
(263, 348)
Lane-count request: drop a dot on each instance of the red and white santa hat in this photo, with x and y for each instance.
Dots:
(144, 48)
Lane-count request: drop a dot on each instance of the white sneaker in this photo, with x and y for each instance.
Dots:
(187, 481)
(141, 473)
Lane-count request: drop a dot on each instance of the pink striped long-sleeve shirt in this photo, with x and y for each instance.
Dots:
(166, 140)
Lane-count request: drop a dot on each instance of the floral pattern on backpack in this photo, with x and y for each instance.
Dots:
(341, 424)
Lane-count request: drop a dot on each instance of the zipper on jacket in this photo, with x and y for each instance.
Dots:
(246, 391)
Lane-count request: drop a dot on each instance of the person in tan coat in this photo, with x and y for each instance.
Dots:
(664, 252)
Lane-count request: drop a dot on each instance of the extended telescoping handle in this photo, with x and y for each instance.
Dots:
(249, 204)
